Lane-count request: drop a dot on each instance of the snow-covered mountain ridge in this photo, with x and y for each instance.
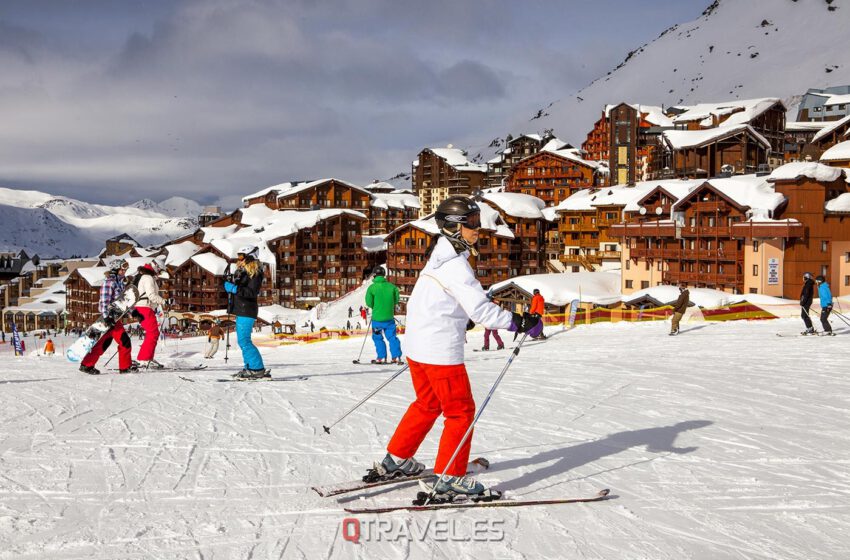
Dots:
(58, 226)
(736, 49)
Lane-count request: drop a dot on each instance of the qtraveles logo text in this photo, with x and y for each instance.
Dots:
(439, 530)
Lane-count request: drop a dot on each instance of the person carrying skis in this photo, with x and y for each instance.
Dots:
(245, 288)
(149, 299)
(214, 335)
(446, 297)
(110, 292)
(825, 295)
(680, 307)
(806, 297)
(382, 297)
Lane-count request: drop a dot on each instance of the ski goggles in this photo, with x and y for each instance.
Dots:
(473, 221)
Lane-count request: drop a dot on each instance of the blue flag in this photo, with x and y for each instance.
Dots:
(16, 341)
(573, 310)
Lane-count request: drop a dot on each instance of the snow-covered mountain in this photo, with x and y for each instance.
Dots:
(58, 226)
(737, 49)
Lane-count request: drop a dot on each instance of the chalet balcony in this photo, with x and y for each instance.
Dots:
(609, 254)
(713, 254)
(768, 230)
(673, 277)
(579, 227)
(707, 231)
(710, 207)
(640, 229)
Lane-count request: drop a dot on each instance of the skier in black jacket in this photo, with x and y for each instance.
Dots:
(806, 297)
(245, 288)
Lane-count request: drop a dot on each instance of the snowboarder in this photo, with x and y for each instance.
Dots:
(245, 287)
(382, 297)
(680, 307)
(111, 290)
(149, 299)
(825, 295)
(806, 297)
(214, 335)
(446, 297)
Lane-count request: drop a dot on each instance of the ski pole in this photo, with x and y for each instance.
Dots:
(366, 398)
(468, 433)
(362, 346)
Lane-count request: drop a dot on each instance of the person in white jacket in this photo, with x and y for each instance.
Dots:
(146, 305)
(446, 300)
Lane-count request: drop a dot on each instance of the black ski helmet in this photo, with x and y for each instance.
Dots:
(807, 276)
(453, 211)
(379, 271)
(820, 279)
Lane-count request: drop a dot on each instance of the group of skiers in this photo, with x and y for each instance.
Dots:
(806, 298)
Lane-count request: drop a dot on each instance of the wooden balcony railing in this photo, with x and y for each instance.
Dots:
(768, 230)
(707, 231)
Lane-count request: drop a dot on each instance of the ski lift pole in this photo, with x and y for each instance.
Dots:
(468, 433)
(366, 398)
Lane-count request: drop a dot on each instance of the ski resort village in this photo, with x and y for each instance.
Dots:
(617, 329)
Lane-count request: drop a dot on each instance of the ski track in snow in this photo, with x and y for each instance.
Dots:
(724, 442)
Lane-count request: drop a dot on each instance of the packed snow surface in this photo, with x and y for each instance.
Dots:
(724, 442)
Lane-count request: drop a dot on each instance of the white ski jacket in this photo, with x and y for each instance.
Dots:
(445, 297)
(149, 292)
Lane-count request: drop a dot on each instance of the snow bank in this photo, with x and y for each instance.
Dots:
(601, 288)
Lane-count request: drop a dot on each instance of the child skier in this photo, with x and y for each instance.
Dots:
(110, 292)
(825, 295)
(149, 299)
(446, 297)
(245, 287)
(382, 297)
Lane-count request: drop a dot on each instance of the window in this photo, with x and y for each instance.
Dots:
(647, 265)
(575, 269)
(755, 246)
(754, 290)
(824, 246)
(847, 280)
(824, 271)
(755, 270)
(644, 284)
(629, 264)
(847, 257)
(629, 284)
(659, 266)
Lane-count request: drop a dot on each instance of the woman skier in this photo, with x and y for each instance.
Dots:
(245, 287)
(149, 299)
(825, 295)
(446, 299)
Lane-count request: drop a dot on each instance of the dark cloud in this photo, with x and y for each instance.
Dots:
(215, 98)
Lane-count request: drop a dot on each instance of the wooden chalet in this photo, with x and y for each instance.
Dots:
(713, 152)
(82, 294)
(516, 149)
(552, 176)
(524, 217)
(830, 135)
(119, 245)
(439, 173)
(596, 146)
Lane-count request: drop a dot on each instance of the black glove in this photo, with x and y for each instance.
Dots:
(526, 323)
(470, 324)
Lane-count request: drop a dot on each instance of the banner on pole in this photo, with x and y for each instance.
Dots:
(16, 341)
(573, 310)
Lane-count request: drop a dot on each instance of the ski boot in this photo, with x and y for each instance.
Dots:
(500, 347)
(380, 361)
(397, 361)
(91, 370)
(809, 332)
(674, 333)
(151, 364)
(455, 489)
(134, 368)
(253, 374)
(484, 349)
(389, 469)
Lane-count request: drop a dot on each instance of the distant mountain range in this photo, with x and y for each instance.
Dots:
(57, 226)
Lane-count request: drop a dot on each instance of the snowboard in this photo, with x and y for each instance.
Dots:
(120, 307)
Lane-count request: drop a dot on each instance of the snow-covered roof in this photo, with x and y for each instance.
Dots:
(492, 221)
(574, 155)
(654, 114)
(615, 195)
(211, 263)
(804, 126)
(831, 127)
(680, 139)
(838, 152)
(532, 136)
(146, 251)
(428, 225)
(374, 243)
(267, 190)
(601, 288)
(810, 169)
(741, 111)
(284, 223)
(839, 204)
(255, 214)
(211, 233)
(178, 253)
(836, 99)
(395, 200)
(457, 159)
(93, 275)
(518, 205)
(297, 188)
(747, 191)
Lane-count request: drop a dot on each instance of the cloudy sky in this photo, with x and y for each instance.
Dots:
(114, 100)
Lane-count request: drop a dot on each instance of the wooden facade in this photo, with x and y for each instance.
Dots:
(597, 144)
(435, 179)
(81, 299)
(552, 177)
(585, 237)
(739, 152)
(516, 149)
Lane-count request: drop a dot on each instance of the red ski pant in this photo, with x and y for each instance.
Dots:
(439, 390)
(118, 334)
(151, 327)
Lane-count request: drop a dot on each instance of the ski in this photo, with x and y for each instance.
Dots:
(357, 485)
(262, 379)
(488, 350)
(601, 495)
(142, 369)
(792, 335)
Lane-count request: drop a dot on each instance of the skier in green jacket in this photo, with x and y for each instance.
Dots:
(382, 297)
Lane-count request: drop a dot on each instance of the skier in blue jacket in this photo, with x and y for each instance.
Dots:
(245, 288)
(825, 295)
